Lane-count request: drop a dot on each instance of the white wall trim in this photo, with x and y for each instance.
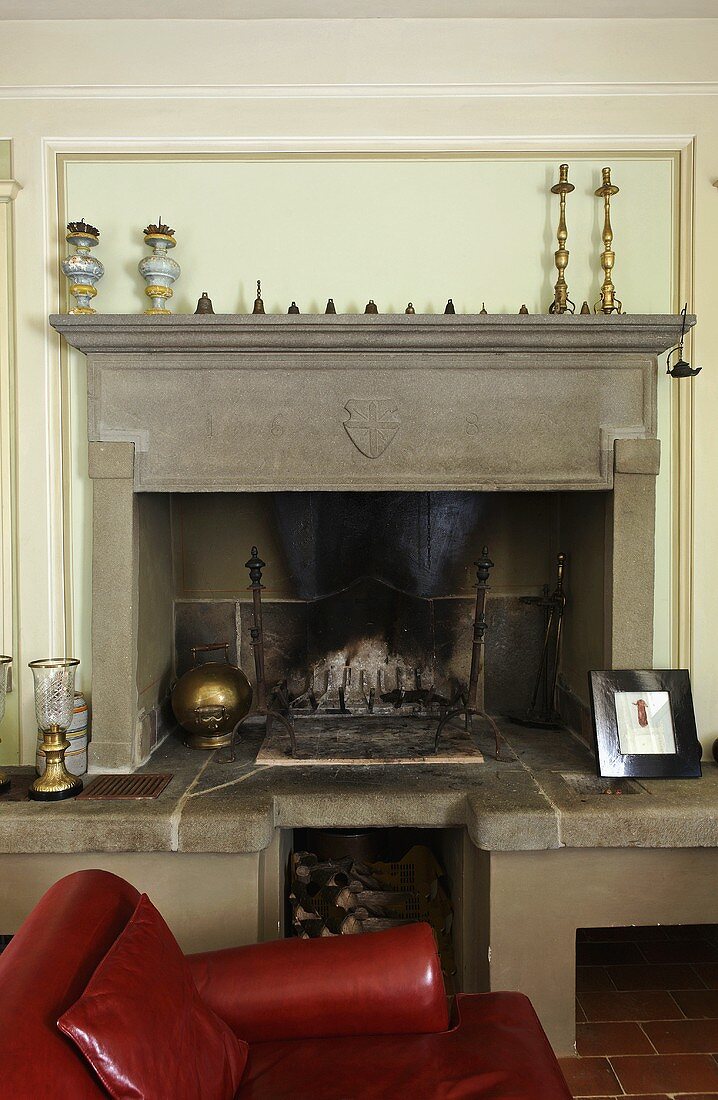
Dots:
(437, 144)
(358, 91)
(9, 190)
(8, 533)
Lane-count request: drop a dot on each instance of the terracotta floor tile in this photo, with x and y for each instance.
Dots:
(592, 977)
(666, 1072)
(619, 953)
(590, 1076)
(679, 1036)
(691, 931)
(709, 974)
(654, 976)
(677, 951)
(681, 1095)
(617, 1038)
(632, 1005)
(695, 1003)
(635, 933)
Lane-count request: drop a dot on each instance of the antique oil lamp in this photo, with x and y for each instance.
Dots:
(54, 706)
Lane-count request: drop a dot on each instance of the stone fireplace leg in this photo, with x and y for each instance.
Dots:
(630, 555)
(114, 606)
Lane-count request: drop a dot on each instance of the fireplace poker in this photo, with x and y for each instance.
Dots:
(255, 565)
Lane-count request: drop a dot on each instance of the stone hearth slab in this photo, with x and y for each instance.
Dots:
(362, 741)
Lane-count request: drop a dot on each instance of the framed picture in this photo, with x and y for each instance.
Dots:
(644, 724)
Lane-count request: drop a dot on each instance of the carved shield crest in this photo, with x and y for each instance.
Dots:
(372, 424)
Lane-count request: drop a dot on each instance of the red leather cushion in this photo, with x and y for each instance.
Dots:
(142, 1026)
(497, 1050)
(383, 984)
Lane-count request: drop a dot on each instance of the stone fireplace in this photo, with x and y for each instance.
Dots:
(370, 458)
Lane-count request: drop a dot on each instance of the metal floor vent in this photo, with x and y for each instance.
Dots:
(126, 786)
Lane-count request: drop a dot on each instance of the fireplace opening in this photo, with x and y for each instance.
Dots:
(360, 881)
(369, 598)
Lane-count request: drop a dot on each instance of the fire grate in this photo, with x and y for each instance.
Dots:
(127, 786)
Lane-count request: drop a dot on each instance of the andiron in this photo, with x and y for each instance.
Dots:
(262, 706)
(469, 700)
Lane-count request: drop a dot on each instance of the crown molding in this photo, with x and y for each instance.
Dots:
(356, 91)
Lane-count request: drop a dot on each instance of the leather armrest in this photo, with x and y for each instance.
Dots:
(383, 983)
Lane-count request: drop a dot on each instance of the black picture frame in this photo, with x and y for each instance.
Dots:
(615, 728)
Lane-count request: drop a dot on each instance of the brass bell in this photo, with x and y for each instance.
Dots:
(483, 312)
(371, 306)
(258, 303)
(294, 308)
(331, 308)
(410, 309)
(585, 308)
(450, 306)
(523, 309)
(204, 305)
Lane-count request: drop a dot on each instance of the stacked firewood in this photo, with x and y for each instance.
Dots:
(343, 897)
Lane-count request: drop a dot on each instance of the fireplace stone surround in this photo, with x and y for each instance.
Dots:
(261, 404)
(535, 846)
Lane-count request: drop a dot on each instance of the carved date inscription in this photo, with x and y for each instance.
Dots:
(372, 424)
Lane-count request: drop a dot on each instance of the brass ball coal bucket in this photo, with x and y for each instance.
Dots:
(210, 699)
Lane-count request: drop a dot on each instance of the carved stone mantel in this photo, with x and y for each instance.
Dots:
(234, 403)
(225, 402)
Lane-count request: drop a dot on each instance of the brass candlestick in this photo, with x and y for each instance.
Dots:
(608, 302)
(54, 705)
(561, 302)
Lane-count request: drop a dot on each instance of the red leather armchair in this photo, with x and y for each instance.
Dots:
(351, 1018)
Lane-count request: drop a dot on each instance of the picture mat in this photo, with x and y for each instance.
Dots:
(657, 736)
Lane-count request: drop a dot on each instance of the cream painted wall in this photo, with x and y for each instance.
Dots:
(477, 228)
(554, 87)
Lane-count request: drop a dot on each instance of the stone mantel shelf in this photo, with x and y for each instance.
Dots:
(494, 333)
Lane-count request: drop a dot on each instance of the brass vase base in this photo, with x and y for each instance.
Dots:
(207, 741)
(39, 795)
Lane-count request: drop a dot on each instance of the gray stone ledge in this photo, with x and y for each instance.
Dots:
(496, 333)
(520, 803)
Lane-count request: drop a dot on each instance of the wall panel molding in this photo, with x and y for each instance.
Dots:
(62, 150)
(508, 90)
(9, 190)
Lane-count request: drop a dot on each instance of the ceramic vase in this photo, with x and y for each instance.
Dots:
(159, 270)
(81, 268)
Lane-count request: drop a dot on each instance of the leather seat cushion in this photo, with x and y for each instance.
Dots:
(497, 1050)
(141, 1022)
